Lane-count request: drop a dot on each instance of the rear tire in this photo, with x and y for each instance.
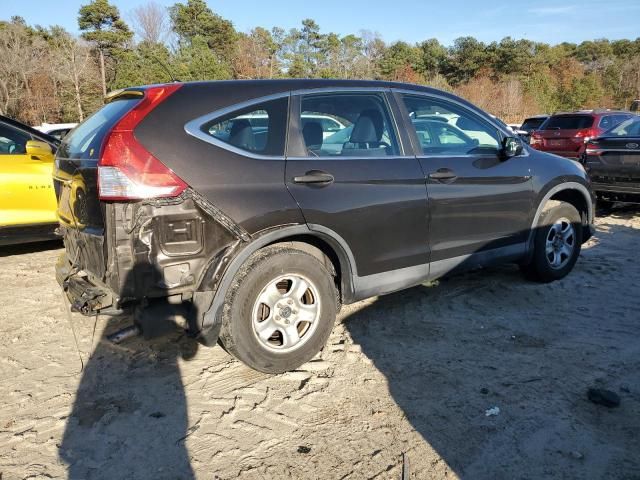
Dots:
(557, 243)
(279, 310)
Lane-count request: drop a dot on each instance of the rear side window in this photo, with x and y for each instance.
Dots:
(86, 140)
(347, 125)
(568, 122)
(12, 141)
(259, 129)
(444, 128)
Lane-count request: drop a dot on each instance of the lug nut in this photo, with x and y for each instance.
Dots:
(287, 322)
(277, 317)
(289, 301)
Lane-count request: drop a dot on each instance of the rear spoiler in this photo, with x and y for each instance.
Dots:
(122, 94)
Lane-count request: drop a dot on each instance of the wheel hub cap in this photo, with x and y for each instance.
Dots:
(286, 313)
(560, 243)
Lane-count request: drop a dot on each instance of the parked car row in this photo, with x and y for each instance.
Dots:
(607, 142)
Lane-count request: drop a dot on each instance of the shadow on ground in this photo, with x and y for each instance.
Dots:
(24, 248)
(129, 417)
(533, 354)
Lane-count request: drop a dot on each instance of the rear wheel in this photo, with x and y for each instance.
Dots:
(279, 310)
(557, 243)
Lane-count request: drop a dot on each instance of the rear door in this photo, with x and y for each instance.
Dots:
(478, 201)
(564, 134)
(26, 186)
(358, 182)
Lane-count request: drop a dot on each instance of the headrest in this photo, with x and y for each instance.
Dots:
(241, 134)
(368, 128)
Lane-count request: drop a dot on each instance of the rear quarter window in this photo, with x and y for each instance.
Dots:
(259, 129)
(568, 122)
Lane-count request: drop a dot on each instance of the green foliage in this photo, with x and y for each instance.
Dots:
(100, 22)
(195, 20)
(514, 77)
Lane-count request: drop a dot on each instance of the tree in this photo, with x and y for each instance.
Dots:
(101, 25)
(433, 55)
(151, 22)
(466, 58)
(73, 66)
(255, 55)
(197, 20)
(402, 62)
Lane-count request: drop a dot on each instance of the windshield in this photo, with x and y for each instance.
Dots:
(628, 128)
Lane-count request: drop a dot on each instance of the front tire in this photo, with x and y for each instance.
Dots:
(557, 243)
(279, 310)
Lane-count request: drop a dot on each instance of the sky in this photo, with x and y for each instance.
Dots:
(550, 21)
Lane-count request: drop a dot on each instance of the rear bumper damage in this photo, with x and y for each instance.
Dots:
(155, 259)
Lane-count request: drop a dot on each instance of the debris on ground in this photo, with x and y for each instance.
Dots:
(492, 412)
(600, 396)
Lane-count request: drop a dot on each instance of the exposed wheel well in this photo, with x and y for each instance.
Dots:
(324, 251)
(575, 198)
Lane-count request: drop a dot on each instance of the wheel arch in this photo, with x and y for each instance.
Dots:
(573, 193)
(316, 240)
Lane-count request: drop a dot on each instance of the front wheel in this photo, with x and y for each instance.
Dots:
(557, 243)
(279, 310)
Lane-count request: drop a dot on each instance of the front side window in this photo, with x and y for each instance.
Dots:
(259, 129)
(444, 128)
(347, 125)
(12, 141)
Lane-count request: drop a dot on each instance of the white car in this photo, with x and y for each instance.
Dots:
(57, 130)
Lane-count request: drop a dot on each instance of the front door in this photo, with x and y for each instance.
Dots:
(26, 185)
(479, 202)
(358, 183)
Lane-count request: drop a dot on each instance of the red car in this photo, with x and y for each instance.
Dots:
(566, 134)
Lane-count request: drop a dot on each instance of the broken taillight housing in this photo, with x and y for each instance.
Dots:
(127, 170)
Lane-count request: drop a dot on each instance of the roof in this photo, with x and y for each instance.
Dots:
(264, 87)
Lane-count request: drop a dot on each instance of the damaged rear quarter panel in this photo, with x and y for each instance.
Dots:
(161, 248)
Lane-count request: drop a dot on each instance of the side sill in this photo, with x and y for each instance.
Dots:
(394, 280)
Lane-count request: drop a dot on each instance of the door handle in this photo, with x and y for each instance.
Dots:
(314, 177)
(443, 174)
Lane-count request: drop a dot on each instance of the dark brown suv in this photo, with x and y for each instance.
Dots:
(254, 209)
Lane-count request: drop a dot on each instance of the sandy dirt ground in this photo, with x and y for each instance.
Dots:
(409, 375)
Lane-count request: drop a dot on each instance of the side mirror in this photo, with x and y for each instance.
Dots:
(511, 147)
(38, 149)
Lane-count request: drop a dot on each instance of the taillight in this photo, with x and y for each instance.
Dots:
(127, 170)
(593, 148)
(535, 139)
(586, 134)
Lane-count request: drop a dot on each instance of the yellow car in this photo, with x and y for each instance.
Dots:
(27, 198)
